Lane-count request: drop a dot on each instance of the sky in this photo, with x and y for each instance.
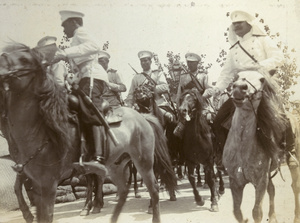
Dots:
(180, 26)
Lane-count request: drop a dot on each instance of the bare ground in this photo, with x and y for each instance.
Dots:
(184, 210)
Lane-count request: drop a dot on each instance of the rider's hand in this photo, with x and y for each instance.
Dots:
(59, 55)
(216, 92)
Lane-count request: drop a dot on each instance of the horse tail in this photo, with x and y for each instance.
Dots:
(162, 160)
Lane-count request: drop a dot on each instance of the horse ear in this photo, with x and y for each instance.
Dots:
(262, 80)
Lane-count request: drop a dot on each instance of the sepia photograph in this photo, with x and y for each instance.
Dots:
(158, 111)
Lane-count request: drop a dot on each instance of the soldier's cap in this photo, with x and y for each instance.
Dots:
(241, 16)
(144, 54)
(66, 14)
(104, 54)
(192, 57)
(47, 40)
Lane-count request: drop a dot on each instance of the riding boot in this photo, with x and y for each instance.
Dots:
(179, 129)
(289, 142)
(97, 164)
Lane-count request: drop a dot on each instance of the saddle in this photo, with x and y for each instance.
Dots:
(108, 113)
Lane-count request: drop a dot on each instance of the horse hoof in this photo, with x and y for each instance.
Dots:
(180, 177)
(137, 195)
(84, 212)
(29, 218)
(96, 210)
(214, 208)
(221, 192)
(200, 203)
(199, 184)
(205, 186)
(150, 210)
(173, 198)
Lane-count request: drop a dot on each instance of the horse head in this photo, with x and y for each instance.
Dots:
(144, 96)
(190, 104)
(248, 88)
(18, 66)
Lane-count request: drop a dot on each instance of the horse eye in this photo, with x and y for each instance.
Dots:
(24, 60)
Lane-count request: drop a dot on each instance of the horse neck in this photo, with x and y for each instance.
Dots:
(24, 120)
(244, 119)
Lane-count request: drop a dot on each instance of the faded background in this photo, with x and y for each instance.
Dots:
(159, 26)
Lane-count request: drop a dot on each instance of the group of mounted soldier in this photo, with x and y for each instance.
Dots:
(251, 49)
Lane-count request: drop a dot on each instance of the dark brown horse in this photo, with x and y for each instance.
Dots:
(44, 144)
(251, 149)
(197, 143)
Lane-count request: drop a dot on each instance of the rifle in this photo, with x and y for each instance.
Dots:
(133, 68)
(87, 100)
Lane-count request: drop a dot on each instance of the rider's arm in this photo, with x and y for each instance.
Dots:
(275, 57)
(129, 99)
(86, 45)
(162, 86)
(116, 85)
(226, 75)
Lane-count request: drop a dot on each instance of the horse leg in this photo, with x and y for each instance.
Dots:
(199, 183)
(295, 173)
(237, 196)
(271, 192)
(27, 215)
(89, 196)
(260, 190)
(120, 179)
(98, 202)
(135, 186)
(191, 177)
(44, 199)
(210, 177)
(221, 182)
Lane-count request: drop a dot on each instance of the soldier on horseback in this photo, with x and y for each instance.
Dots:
(83, 57)
(193, 78)
(115, 84)
(152, 85)
(252, 49)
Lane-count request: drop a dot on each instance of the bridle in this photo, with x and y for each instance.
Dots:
(16, 73)
(251, 97)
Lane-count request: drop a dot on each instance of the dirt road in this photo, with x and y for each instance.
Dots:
(184, 210)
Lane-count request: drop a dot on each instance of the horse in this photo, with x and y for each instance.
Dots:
(44, 144)
(145, 103)
(197, 143)
(258, 119)
(295, 172)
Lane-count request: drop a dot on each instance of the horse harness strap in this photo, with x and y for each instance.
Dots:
(18, 167)
(13, 73)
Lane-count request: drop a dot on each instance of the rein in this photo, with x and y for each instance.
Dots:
(18, 167)
(250, 98)
(14, 73)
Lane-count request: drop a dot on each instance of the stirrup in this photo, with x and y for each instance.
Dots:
(292, 161)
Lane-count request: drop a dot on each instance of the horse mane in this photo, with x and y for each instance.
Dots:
(53, 104)
(54, 110)
(202, 128)
(14, 46)
(270, 118)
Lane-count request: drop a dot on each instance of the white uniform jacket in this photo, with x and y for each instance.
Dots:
(139, 79)
(84, 54)
(262, 48)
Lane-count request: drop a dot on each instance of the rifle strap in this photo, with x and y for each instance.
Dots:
(149, 79)
(197, 83)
